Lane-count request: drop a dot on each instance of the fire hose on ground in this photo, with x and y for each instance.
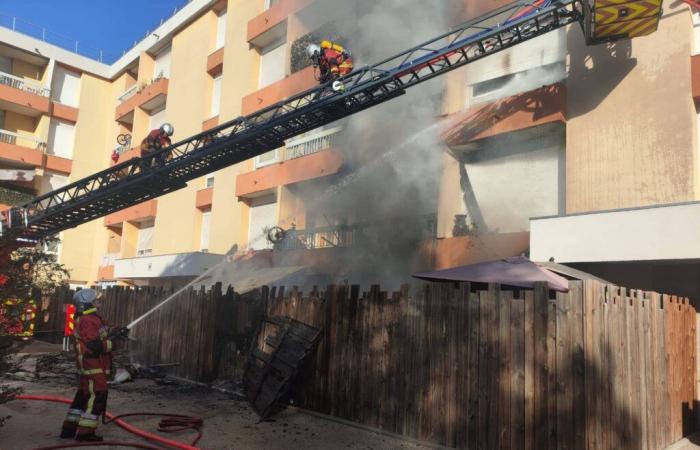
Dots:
(170, 423)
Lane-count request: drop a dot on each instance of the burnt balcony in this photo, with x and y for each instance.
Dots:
(420, 228)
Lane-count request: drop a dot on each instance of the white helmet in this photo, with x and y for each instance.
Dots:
(84, 298)
(313, 50)
(167, 129)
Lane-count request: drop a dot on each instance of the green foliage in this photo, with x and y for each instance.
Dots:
(28, 268)
(14, 196)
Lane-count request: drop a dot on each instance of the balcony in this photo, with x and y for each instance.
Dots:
(662, 232)
(529, 109)
(24, 96)
(203, 199)
(215, 62)
(358, 234)
(148, 98)
(287, 87)
(274, 16)
(31, 151)
(175, 265)
(105, 271)
(145, 210)
(320, 164)
(695, 77)
(311, 144)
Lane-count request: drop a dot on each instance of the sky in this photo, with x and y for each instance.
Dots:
(108, 25)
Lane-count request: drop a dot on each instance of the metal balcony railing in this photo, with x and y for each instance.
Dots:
(24, 140)
(354, 235)
(311, 144)
(24, 85)
(108, 259)
(126, 95)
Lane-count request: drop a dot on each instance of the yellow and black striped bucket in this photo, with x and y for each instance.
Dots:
(614, 19)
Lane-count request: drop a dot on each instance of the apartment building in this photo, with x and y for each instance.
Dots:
(540, 141)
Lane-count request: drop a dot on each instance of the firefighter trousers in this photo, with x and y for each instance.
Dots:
(89, 403)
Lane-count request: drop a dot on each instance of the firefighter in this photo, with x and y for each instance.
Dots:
(332, 60)
(158, 138)
(93, 345)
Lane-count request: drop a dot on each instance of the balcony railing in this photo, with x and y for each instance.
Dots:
(8, 137)
(108, 259)
(311, 144)
(126, 95)
(355, 235)
(24, 85)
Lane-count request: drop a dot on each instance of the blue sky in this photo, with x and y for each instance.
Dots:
(109, 25)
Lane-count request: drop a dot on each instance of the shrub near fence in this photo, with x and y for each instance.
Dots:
(597, 368)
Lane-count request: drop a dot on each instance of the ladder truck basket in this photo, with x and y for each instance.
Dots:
(618, 19)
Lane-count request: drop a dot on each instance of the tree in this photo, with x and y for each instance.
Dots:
(22, 270)
(27, 268)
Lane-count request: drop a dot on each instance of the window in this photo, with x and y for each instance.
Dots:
(516, 83)
(489, 86)
(220, 30)
(52, 248)
(216, 97)
(6, 65)
(267, 158)
(209, 181)
(145, 243)
(206, 227)
(157, 119)
(161, 67)
(272, 63)
(61, 138)
(263, 215)
(270, 3)
(66, 86)
(2, 118)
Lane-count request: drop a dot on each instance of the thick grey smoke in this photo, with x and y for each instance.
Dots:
(400, 164)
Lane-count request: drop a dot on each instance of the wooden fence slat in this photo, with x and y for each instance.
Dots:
(517, 382)
(530, 371)
(564, 370)
(541, 374)
(473, 371)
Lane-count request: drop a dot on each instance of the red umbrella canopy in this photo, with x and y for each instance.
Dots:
(516, 271)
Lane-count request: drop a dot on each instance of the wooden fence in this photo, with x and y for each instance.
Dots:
(597, 368)
(199, 334)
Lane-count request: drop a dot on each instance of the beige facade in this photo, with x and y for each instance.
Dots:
(547, 128)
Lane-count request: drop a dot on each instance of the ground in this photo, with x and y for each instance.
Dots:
(229, 423)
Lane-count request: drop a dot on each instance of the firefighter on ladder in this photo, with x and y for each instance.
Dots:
(93, 345)
(332, 61)
(156, 140)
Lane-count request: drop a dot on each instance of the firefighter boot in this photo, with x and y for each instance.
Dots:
(88, 437)
(68, 432)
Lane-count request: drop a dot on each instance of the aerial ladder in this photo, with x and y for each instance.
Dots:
(169, 169)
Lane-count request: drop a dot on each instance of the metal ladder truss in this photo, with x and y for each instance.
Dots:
(169, 169)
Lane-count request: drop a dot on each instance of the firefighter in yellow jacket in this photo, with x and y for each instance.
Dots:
(93, 345)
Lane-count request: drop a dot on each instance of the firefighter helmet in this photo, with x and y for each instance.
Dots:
(313, 50)
(84, 298)
(167, 129)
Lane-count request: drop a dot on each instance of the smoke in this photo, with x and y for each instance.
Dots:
(392, 152)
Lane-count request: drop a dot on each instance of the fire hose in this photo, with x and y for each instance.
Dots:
(170, 423)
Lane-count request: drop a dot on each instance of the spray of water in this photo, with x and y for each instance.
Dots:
(344, 183)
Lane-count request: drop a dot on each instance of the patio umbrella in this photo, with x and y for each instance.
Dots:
(516, 271)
